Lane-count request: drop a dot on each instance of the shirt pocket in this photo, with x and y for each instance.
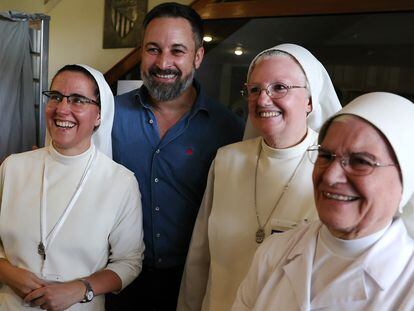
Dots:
(282, 225)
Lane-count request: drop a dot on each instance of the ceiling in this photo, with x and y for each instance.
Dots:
(333, 36)
(354, 41)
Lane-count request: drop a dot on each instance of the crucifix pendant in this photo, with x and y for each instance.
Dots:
(260, 235)
(41, 250)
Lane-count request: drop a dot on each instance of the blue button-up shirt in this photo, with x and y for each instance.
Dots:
(171, 171)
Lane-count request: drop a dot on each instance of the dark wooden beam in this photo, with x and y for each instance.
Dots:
(198, 5)
(268, 8)
(123, 66)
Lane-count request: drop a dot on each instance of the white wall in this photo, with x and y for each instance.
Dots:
(76, 31)
(76, 36)
(34, 6)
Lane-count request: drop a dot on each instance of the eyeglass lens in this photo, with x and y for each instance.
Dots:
(73, 99)
(273, 90)
(354, 163)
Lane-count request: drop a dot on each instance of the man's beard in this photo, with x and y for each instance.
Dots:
(161, 91)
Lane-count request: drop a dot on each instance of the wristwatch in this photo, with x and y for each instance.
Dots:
(89, 294)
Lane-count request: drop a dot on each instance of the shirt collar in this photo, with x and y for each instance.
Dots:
(75, 159)
(383, 254)
(201, 103)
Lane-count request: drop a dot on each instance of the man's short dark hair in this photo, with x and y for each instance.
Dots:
(176, 10)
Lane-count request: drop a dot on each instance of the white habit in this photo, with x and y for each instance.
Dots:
(102, 231)
(380, 278)
(225, 230)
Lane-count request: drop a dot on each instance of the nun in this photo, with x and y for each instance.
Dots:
(358, 256)
(71, 219)
(262, 185)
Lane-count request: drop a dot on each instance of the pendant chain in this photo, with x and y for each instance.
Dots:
(45, 240)
(260, 233)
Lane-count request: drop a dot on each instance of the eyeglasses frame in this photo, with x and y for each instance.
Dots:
(245, 91)
(344, 160)
(89, 100)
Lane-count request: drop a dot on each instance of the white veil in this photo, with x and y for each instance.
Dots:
(324, 99)
(102, 136)
(393, 116)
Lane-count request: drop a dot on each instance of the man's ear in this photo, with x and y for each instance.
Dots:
(198, 58)
(98, 120)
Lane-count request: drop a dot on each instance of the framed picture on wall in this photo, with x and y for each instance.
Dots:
(122, 23)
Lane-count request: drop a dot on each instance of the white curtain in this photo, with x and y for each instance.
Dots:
(17, 99)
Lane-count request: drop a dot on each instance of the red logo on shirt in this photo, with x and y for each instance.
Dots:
(189, 151)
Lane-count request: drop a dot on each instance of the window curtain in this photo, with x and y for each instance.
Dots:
(17, 99)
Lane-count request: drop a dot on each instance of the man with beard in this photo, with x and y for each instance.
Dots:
(167, 132)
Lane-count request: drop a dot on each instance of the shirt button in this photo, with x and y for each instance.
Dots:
(150, 121)
(158, 235)
(157, 208)
(156, 179)
(157, 151)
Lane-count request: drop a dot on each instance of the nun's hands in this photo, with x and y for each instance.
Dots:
(21, 281)
(56, 296)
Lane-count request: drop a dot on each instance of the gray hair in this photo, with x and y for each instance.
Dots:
(343, 118)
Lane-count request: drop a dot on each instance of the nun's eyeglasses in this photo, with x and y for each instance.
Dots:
(274, 90)
(357, 164)
(75, 100)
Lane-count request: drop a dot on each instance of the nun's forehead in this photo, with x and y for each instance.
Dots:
(338, 118)
(349, 118)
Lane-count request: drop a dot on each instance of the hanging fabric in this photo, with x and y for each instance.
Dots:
(17, 99)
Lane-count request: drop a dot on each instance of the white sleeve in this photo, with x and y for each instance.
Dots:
(126, 238)
(197, 266)
(254, 281)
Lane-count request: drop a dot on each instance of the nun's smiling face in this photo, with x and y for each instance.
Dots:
(356, 206)
(71, 127)
(281, 122)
